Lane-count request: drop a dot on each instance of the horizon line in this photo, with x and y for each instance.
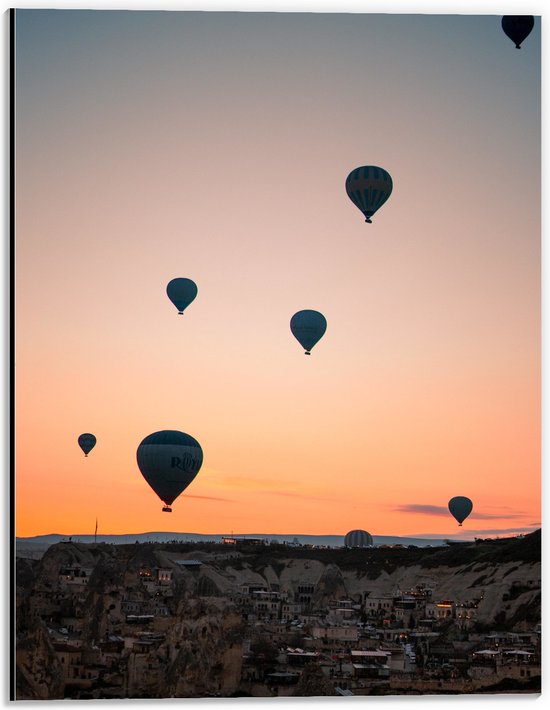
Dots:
(420, 536)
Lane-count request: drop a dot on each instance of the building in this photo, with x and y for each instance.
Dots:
(376, 606)
(444, 609)
(74, 575)
(342, 634)
(370, 664)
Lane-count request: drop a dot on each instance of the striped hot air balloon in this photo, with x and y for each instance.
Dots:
(358, 538)
(368, 187)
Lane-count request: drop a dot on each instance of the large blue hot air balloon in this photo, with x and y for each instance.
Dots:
(308, 327)
(460, 508)
(169, 461)
(181, 292)
(517, 27)
(368, 187)
(86, 443)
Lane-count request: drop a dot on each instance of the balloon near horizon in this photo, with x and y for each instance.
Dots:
(358, 538)
(460, 508)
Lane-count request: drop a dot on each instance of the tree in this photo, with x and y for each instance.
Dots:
(263, 655)
(313, 682)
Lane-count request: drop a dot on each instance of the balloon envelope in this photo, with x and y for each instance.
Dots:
(308, 327)
(358, 538)
(517, 27)
(169, 460)
(460, 508)
(86, 443)
(181, 292)
(368, 187)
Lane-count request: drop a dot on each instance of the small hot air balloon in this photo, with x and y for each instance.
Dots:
(460, 508)
(86, 443)
(368, 187)
(169, 461)
(518, 27)
(181, 292)
(308, 327)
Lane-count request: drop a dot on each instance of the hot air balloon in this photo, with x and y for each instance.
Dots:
(181, 292)
(518, 27)
(368, 187)
(308, 327)
(169, 461)
(358, 538)
(460, 508)
(86, 443)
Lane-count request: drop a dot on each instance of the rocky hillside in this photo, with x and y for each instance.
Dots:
(493, 569)
(197, 618)
(504, 574)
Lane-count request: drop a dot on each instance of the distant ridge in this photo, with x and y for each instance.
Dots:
(319, 540)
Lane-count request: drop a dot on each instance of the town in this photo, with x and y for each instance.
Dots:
(247, 618)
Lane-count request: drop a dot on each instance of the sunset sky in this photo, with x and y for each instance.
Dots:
(215, 146)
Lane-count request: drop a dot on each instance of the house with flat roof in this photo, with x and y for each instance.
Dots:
(370, 664)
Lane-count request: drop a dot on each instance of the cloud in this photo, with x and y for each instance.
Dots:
(504, 507)
(490, 516)
(501, 531)
(443, 510)
(423, 509)
(466, 532)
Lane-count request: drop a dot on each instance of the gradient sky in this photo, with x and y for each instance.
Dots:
(215, 146)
